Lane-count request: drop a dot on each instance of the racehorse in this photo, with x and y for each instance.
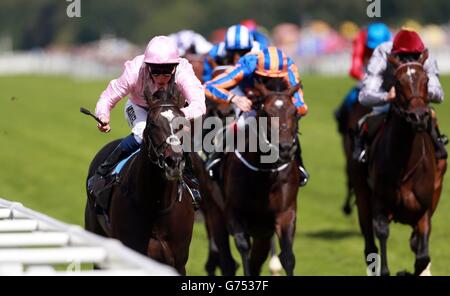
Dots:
(404, 176)
(260, 198)
(150, 211)
(212, 206)
(348, 134)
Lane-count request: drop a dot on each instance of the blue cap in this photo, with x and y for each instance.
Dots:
(377, 33)
(238, 37)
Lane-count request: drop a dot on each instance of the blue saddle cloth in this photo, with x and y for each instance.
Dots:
(122, 163)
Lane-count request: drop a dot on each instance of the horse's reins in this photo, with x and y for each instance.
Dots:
(395, 108)
(266, 140)
(256, 169)
(422, 157)
(158, 158)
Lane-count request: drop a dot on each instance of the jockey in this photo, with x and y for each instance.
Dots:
(268, 64)
(378, 91)
(252, 26)
(238, 42)
(190, 42)
(158, 68)
(363, 46)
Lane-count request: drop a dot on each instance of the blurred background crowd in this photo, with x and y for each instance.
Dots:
(39, 37)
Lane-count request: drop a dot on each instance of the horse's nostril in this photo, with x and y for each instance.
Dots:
(285, 147)
(173, 161)
(169, 162)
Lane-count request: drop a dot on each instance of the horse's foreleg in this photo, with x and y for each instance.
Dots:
(219, 251)
(286, 233)
(438, 179)
(242, 241)
(219, 245)
(366, 225)
(213, 250)
(419, 244)
(381, 227)
(260, 250)
(363, 204)
(347, 207)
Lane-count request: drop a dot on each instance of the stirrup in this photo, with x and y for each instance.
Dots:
(196, 198)
(209, 166)
(194, 193)
(92, 181)
(443, 139)
(303, 175)
(363, 156)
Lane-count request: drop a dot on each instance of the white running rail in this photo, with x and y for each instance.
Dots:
(32, 243)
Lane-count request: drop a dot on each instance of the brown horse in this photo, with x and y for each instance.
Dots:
(348, 134)
(150, 210)
(261, 198)
(212, 206)
(404, 176)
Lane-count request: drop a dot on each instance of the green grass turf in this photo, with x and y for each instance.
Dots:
(46, 146)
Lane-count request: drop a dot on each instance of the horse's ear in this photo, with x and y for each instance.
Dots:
(423, 57)
(261, 88)
(394, 61)
(294, 89)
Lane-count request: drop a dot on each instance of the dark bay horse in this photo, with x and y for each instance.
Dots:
(212, 206)
(405, 179)
(261, 198)
(150, 211)
(348, 134)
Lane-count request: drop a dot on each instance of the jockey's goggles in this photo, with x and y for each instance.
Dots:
(165, 70)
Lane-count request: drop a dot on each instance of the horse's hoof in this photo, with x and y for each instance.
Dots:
(404, 273)
(347, 209)
(385, 273)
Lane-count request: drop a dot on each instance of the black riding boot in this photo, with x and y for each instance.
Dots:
(359, 148)
(122, 151)
(304, 175)
(439, 141)
(192, 182)
(341, 115)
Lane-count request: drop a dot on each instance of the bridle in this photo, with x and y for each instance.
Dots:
(156, 152)
(260, 101)
(409, 117)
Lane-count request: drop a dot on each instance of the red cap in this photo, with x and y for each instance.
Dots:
(407, 42)
(250, 24)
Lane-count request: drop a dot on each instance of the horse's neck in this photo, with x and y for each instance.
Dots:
(148, 181)
(400, 138)
(255, 158)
